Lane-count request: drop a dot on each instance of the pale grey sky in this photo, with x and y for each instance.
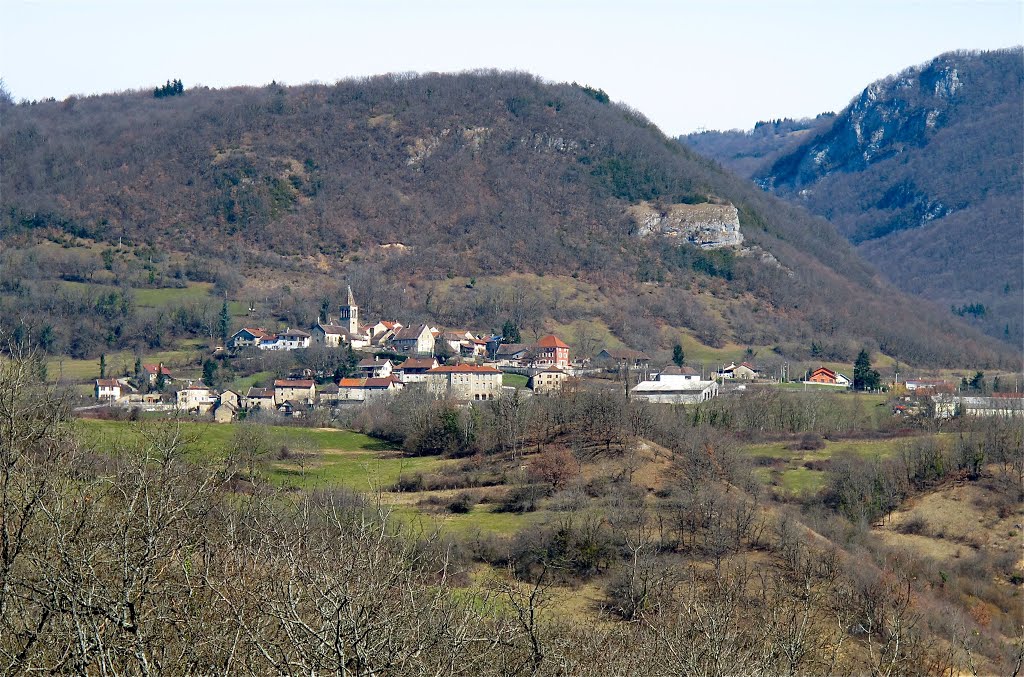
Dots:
(717, 64)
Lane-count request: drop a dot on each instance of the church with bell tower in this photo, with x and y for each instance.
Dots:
(348, 316)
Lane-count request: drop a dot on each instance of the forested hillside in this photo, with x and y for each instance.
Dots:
(744, 152)
(922, 172)
(396, 181)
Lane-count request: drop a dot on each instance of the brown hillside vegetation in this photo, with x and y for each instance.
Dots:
(394, 179)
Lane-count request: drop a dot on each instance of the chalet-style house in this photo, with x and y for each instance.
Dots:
(676, 385)
(825, 376)
(550, 380)
(196, 399)
(743, 372)
(248, 337)
(465, 382)
(551, 351)
(374, 367)
(153, 372)
(298, 390)
(418, 340)
(414, 369)
(108, 389)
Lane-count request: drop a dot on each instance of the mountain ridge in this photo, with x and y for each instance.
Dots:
(919, 165)
(475, 174)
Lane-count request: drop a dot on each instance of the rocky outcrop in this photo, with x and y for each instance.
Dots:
(707, 225)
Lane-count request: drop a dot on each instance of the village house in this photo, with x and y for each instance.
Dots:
(225, 412)
(248, 337)
(380, 334)
(414, 369)
(294, 408)
(465, 382)
(512, 355)
(550, 380)
(374, 367)
(232, 398)
(676, 374)
(153, 372)
(298, 390)
(933, 384)
(825, 376)
(614, 358)
(363, 389)
(290, 339)
(196, 399)
(259, 398)
(417, 340)
(743, 372)
(551, 351)
(108, 389)
(330, 335)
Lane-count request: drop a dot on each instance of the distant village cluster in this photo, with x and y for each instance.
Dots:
(456, 364)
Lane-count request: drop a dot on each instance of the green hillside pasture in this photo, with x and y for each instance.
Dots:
(153, 298)
(789, 475)
(67, 369)
(299, 457)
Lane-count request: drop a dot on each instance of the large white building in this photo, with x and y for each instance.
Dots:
(676, 385)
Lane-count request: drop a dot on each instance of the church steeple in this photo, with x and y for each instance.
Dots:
(349, 314)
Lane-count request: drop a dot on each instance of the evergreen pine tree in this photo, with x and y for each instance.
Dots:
(224, 323)
(678, 357)
(103, 366)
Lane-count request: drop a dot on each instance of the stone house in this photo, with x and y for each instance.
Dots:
(196, 399)
(465, 382)
(550, 380)
(259, 398)
(297, 390)
(414, 369)
(414, 340)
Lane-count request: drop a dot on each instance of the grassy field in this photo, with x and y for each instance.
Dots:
(314, 458)
(788, 473)
(242, 385)
(65, 368)
(152, 298)
(514, 380)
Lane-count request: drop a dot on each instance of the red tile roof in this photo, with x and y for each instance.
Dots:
(418, 363)
(293, 383)
(552, 341)
(152, 369)
(108, 383)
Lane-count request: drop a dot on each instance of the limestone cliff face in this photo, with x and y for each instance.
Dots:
(709, 226)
